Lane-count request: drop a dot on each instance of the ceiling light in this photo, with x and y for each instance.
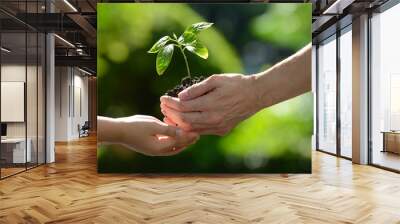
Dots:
(84, 71)
(5, 50)
(79, 51)
(70, 5)
(337, 7)
(65, 41)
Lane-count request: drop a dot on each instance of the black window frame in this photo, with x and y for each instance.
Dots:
(338, 29)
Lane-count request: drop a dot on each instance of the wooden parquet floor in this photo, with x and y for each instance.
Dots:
(71, 191)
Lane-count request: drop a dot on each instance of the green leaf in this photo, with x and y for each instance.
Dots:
(197, 27)
(187, 38)
(164, 57)
(198, 49)
(159, 44)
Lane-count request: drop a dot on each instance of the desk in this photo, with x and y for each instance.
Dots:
(16, 153)
(391, 141)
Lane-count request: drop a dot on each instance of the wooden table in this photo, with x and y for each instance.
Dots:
(13, 150)
(391, 141)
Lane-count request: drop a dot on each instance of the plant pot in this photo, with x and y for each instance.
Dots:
(185, 83)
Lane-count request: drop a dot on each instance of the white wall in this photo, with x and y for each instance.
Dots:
(71, 94)
(33, 126)
(14, 73)
(62, 81)
(12, 101)
(81, 104)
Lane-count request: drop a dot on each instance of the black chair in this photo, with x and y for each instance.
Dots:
(84, 130)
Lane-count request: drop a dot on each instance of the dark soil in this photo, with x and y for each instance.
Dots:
(185, 83)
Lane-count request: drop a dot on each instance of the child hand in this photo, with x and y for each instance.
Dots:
(146, 134)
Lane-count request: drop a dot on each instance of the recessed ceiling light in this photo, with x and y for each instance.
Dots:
(5, 50)
(337, 7)
(84, 71)
(65, 41)
(70, 5)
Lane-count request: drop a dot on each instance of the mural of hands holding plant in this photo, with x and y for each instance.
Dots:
(190, 70)
(217, 104)
(211, 106)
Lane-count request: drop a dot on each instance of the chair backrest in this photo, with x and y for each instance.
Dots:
(86, 125)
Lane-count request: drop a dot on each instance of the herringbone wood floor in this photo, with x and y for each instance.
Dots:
(71, 191)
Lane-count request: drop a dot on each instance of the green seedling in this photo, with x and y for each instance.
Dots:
(164, 47)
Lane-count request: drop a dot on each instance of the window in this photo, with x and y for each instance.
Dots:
(346, 92)
(326, 60)
(385, 88)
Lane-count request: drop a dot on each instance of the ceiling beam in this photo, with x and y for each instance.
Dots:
(83, 23)
(321, 22)
(81, 61)
(49, 22)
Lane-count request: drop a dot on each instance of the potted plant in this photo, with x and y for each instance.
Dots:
(188, 41)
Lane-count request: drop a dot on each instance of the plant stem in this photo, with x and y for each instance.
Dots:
(186, 61)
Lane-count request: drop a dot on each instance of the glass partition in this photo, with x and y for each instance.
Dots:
(15, 151)
(23, 91)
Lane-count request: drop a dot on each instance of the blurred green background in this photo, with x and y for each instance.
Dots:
(245, 38)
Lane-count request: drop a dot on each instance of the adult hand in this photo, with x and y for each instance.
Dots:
(213, 106)
(147, 135)
(217, 104)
